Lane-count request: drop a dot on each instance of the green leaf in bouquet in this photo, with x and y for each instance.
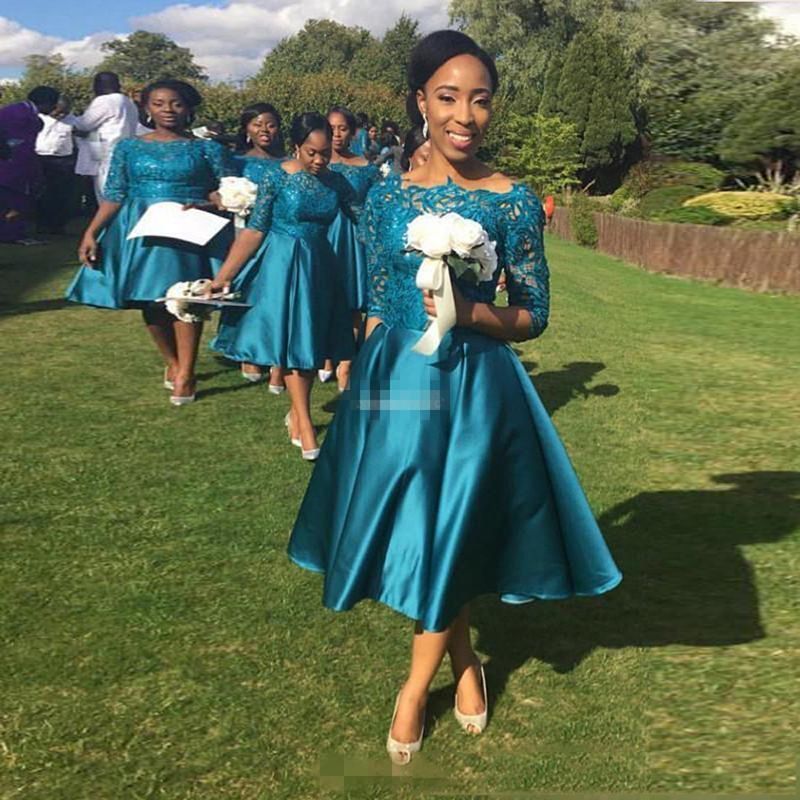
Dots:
(467, 270)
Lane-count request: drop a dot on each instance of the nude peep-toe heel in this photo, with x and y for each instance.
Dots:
(401, 753)
(474, 723)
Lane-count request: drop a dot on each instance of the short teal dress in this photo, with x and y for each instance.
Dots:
(442, 478)
(343, 235)
(297, 316)
(132, 273)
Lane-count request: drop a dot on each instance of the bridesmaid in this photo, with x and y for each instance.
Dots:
(260, 146)
(442, 477)
(416, 150)
(297, 315)
(166, 164)
(361, 175)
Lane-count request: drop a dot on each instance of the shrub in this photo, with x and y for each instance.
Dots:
(745, 205)
(620, 197)
(666, 198)
(646, 176)
(581, 220)
(696, 215)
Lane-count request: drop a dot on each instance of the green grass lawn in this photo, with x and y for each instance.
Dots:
(157, 643)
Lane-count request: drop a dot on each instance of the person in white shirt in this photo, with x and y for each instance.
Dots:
(55, 150)
(111, 116)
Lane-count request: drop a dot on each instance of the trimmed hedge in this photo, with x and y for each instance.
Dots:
(695, 215)
(745, 205)
(581, 220)
(664, 199)
(646, 176)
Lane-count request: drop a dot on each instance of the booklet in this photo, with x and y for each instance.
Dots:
(172, 221)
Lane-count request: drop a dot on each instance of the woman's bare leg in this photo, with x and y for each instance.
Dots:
(465, 664)
(159, 325)
(299, 383)
(187, 341)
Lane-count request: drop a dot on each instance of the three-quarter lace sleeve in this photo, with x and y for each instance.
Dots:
(261, 217)
(116, 186)
(527, 274)
(377, 258)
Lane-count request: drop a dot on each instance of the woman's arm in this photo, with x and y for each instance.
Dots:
(245, 244)
(87, 249)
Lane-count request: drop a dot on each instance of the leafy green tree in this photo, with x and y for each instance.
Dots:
(766, 133)
(321, 46)
(386, 61)
(53, 70)
(144, 56)
(543, 151)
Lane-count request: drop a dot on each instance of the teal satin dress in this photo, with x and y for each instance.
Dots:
(132, 273)
(442, 478)
(297, 316)
(344, 238)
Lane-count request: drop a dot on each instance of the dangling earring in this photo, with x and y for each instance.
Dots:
(149, 118)
(248, 140)
(424, 126)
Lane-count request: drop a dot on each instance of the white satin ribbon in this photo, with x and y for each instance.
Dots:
(434, 275)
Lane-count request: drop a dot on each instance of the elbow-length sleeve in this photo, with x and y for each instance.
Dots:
(370, 235)
(527, 273)
(261, 216)
(117, 182)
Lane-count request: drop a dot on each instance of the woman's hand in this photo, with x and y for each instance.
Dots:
(88, 250)
(217, 287)
(464, 307)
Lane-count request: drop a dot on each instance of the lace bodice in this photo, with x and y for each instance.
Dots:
(513, 219)
(299, 204)
(361, 179)
(254, 167)
(184, 170)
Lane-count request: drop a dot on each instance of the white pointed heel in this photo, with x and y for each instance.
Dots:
(168, 384)
(287, 421)
(181, 400)
(273, 389)
(474, 723)
(253, 377)
(310, 455)
(401, 753)
(324, 375)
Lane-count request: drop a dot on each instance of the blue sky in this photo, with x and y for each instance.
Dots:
(228, 37)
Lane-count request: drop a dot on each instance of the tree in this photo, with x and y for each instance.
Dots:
(386, 62)
(544, 151)
(53, 70)
(144, 57)
(595, 94)
(321, 46)
(765, 135)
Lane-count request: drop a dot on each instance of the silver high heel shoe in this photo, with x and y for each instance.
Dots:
(274, 389)
(168, 384)
(324, 375)
(181, 400)
(310, 455)
(474, 723)
(253, 377)
(401, 753)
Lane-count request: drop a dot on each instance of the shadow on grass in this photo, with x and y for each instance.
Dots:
(686, 581)
(559, 387)
(18, 309)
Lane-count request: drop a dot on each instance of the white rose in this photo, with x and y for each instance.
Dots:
(237, 194)
(430, 235)
(486, 255)
(465, 234)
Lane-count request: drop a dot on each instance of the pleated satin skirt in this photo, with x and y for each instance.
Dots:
(133, 272)
(442, 478)
(298, 316)
(351, 261)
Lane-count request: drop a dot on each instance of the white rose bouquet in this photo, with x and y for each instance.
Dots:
(238, 195)
(188, 301)
(448, 242)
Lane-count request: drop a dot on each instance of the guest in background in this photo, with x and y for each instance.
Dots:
(416, 149)
(360, 138)
(110, 117)
(374, 146)
(20, 172)
(55, 148)
(168, 164)
(391, 153)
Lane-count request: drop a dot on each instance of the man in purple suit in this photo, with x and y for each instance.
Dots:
(19, 167)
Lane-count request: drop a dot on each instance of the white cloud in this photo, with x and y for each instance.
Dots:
(17, 42)
(786, 14)
(85, 52)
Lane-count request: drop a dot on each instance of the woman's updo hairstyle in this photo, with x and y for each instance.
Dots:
(190, 96)
(349, 117)
(413, 141)
(248, 115)
(430, 53)
(303, 125)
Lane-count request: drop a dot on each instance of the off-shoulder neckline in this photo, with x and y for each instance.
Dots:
(407, 185)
